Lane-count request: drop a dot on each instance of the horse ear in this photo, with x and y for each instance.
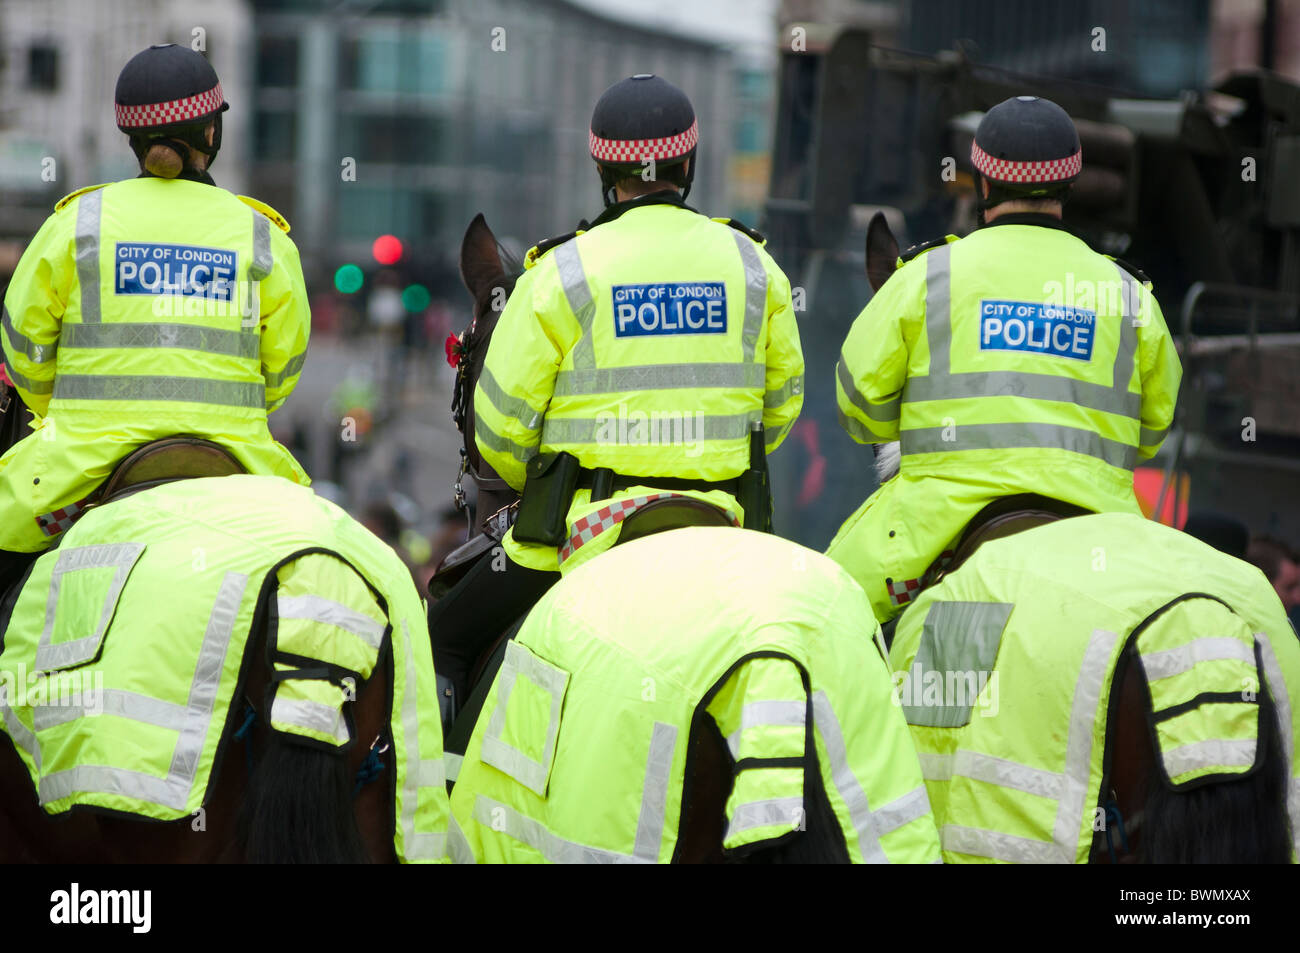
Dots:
(480, 258)
(882, 251)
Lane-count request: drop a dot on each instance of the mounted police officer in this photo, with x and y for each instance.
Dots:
(155, 306)
(634, 357)
(1015, 360)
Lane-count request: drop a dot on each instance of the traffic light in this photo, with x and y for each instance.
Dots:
(387, 249)
(349, 279)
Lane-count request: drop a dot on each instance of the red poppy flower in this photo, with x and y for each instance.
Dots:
(455, 350)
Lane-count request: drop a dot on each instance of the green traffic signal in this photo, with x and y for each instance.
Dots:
(349, 279)
(415, 297)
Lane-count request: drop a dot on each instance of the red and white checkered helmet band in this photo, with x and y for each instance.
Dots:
(152, 115)
(636, 150)
(1029, 173)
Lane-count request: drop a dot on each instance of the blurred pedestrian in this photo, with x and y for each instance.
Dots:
(1280, 564)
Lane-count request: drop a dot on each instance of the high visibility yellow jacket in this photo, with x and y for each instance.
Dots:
(142, 309)
(647, 345)
(121, 695)
(1015, 360)
(1006, 674)
(581, 753)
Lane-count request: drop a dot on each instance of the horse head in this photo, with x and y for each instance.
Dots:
(489, 273)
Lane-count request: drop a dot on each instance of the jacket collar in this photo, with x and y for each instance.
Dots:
(666, 197)
(190, 175)
(1027, 218)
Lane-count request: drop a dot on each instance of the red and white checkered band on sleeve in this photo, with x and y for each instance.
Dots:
(164, 114)
(1003, 170)
(636, 150)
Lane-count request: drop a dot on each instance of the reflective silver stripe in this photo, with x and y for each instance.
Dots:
(329, 612)
(784, 812)
(1277, 688)
(262, 260)
(452, 762)
(310, 716)
(495, 750)
(28, 384)
(1177, 660)
(207, 676)
(1130, 301)
(577, 291)
(191, 337)
(89, 207)
(1149, 438)
(560, 430)
(113, 701)
(992, 770)
(458, 848)
(912, 806)
(494, 441)
(997, 845)
(291, 367)
(654, 792)
(418, 772)
(36, 353)
(121, 556)
(846, 782)
(886, 412)
(1214, 753)
(755, 294)
(938, 308)
(855, 428)
(188, 389)
(1094, 674)
(172, 791)
(19, 733)
(778, 396)
(516, 408)
(775, 714)
(1023, 384)
(772, 437)
(618, 380)
(1023, 434)
(506, 820)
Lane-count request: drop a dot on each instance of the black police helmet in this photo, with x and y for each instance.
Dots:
(643, 117)
(1026, 147)
(169, 93)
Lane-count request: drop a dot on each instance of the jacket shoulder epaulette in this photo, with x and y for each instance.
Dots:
(740, 226)
(1132, 269)
(536, 253)
(61, 203)
(915, 250)
(280, 221)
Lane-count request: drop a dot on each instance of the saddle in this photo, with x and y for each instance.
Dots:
(163, 461)
(1005, 516)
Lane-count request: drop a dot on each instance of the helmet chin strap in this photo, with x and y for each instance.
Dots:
(183, 142)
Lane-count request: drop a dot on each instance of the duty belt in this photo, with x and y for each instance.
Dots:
(604, 483)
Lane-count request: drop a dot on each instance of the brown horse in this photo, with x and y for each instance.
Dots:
(268, 799)
(490, 273)
(1149, 823)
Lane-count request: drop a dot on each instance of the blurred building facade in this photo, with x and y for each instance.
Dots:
(445, 108)
(59, 61)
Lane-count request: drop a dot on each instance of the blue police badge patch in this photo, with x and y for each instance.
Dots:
(1056, 330)
(673, 307)
(149, 268)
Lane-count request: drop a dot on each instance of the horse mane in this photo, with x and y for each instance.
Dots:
(889, 458)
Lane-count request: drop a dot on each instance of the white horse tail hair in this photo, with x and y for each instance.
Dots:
(889, 457)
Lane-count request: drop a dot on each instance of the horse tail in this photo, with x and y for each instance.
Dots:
(298, 808)
(1229, 821)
